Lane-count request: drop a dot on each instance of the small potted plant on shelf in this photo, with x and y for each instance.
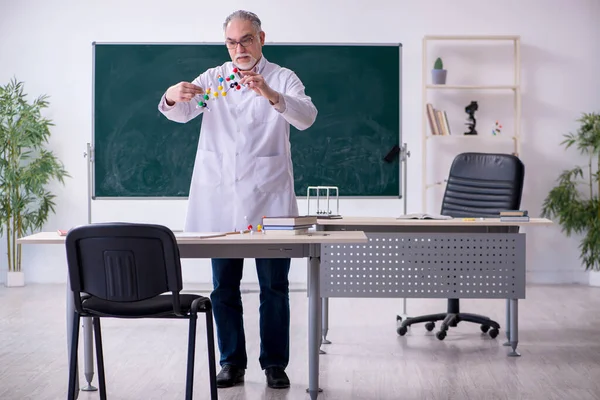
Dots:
(438, 74)
(26, 168)
(574, 203)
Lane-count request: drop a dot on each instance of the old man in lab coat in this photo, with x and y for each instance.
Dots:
(243, 171)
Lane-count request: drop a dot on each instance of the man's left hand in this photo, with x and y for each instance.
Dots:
(257, 83)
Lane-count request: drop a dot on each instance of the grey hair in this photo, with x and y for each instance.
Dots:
(245, 16)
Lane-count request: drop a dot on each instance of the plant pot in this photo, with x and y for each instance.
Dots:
(594, 278)
(438, 76)
(15, 279)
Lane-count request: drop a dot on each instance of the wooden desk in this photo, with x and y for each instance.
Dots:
(410, 258)
(343, 223)
(245, 246)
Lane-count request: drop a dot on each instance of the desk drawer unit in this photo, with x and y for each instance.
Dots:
(426, 265)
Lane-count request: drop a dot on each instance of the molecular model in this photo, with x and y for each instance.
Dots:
(230, 84)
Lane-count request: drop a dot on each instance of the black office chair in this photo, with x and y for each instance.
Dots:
(127, 270)
(479, 185)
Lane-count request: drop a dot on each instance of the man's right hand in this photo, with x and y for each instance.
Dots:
(183, 91)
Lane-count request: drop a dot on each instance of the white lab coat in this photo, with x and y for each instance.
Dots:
(243, 167)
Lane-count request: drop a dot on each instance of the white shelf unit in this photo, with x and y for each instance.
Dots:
(515, 88)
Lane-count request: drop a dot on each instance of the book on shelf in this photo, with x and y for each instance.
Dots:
(433, 126)
(446, 123)
(438, 121)
(423, 216)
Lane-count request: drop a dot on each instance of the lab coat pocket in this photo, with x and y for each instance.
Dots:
(272, 174)
(262, 110)
(209, 168)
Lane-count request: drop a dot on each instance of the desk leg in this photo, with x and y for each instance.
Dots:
(70, 310)
(88, 354)
(314, 321)
(507, 343)
(514, 327)
(325, 319)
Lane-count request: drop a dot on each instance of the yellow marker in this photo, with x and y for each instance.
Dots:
(208, 90)
(220, 87)
(468, 219)
(216, 94)
(223, 94)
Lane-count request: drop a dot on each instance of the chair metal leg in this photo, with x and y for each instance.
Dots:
(72, 395)
(189, 382)
(88, 354)
(100, 358)
(423, 318)
(451, 320)
(478, 319)
(212, 369)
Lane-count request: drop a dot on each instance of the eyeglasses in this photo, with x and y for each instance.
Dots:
(245, 42)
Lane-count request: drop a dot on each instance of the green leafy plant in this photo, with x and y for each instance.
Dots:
(438, 64)
(26, 167)
(574, 203)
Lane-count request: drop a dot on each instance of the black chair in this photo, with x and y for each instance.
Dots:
(124, 270)
(479, 185)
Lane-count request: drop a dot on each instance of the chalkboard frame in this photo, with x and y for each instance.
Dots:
(91, 155)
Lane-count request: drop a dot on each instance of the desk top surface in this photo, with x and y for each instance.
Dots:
(237, 238)
(391, 221)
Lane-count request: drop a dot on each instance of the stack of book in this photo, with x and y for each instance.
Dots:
(298, 225)
(438, 121)
(514, 216)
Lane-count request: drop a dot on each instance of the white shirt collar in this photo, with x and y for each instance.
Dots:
(260, 65)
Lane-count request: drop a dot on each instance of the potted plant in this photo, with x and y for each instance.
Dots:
(26, 168)
(574, 203)
(438, 74)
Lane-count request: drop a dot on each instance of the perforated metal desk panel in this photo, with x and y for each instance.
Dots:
(426, 259)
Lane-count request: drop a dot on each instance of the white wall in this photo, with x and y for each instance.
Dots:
(48, 45)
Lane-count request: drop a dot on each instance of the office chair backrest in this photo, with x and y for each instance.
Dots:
(483, 184)
(123, 262)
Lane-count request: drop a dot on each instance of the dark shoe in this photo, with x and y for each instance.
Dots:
(229, 376)
(277, 378)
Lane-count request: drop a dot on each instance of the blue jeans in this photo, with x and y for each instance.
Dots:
(274, 311)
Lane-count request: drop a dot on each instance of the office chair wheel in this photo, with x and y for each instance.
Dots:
(430, 326)
(484, 328)
(440, 335)
(493, 333)
(402, 330)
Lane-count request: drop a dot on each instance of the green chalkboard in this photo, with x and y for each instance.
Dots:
(140, 153)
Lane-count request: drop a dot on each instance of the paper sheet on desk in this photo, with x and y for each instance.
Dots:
(198, 235)
(423, 216)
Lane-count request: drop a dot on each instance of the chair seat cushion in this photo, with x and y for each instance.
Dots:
(159, 306)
